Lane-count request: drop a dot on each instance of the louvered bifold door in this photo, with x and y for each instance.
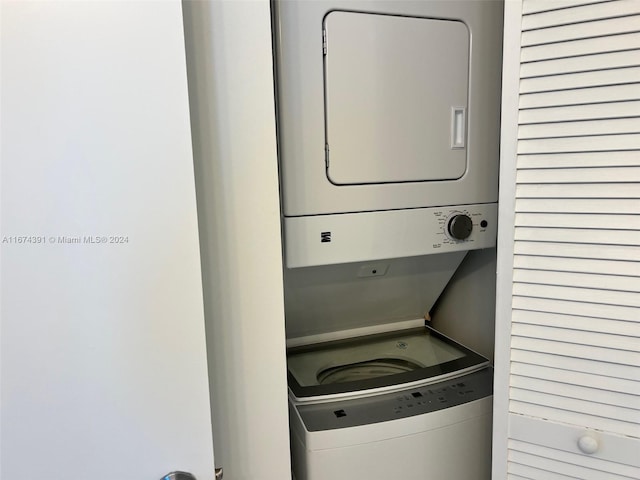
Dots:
(574, 312)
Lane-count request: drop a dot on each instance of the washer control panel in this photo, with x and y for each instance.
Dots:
(391, 406)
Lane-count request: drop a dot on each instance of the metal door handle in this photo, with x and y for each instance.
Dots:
(179, 476)
(188, 476)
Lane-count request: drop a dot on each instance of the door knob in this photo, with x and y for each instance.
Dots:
(587, 444)
(189, 476)
(179, 476)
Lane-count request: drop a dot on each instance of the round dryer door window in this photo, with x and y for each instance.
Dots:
(396, 93)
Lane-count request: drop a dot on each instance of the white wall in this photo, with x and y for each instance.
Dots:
(233, 121)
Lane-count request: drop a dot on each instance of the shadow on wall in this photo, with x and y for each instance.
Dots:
(466, 309)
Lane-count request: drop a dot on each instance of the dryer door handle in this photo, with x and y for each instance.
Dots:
(458, 123)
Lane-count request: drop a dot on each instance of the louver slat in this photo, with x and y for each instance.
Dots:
(599, 143)
(587, 295)
(574, 322)
(575, 250)
(608, 193)
(538, 6)
(581, 336)
(580, 365)
(579, 160)
(585, 407)
(574, 392)
(614, 126)
(588, 46)
(551, 83)
(582, 96)
(569, 220)
(582, 265)
(622, 357)
(602, 28)
(527, 472)
(596, 205)
(553, 414)
(550, 465)
(581, 175)
(586, 280)
(579, 235)
(590, 310)
(584, 63)
(580, 112)
(580, 14)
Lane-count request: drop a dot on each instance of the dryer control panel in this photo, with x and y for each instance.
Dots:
(354, 237)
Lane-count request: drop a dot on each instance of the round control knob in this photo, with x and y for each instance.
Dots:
(460, 226)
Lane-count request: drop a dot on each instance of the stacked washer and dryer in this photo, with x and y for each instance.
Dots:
(388, 123)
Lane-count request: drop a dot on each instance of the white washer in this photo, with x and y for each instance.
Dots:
(411, 404)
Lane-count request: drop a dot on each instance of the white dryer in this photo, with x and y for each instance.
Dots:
(388, 119)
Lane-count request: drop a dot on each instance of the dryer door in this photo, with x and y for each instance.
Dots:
(396, 91)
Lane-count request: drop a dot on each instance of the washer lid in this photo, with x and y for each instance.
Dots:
(375, 361)
(396, 92)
